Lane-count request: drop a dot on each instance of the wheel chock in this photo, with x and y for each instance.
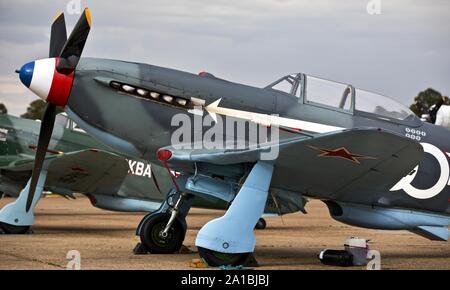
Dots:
(198, 263)
(139, 249)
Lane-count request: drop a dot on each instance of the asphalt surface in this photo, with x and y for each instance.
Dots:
(105, 241)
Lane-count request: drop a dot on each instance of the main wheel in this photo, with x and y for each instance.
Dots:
(153, 240)
(216, 259)
(261, 224)
(14, 230)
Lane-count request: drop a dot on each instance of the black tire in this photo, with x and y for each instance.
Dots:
(217, 259)
(154, 242)
(14, 230)
(261, 224)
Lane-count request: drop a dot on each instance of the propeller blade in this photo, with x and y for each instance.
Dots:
(71, 52)
(58, 36)
(48, 121)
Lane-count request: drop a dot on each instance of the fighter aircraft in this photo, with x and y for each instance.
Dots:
(79, 163)
(371, 161)
(75, 163)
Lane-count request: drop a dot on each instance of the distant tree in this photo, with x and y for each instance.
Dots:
(3, 109)
(424, 100)
(36, 109)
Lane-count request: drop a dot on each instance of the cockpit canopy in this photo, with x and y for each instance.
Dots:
(344, 97)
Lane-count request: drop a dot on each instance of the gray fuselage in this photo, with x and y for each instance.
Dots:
(139, 126)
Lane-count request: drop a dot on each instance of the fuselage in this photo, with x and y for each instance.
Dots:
(139, 126)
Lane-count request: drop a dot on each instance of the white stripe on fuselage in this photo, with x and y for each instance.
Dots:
(42, 77)
(269, 120)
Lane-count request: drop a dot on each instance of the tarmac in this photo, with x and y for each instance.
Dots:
(105, 240)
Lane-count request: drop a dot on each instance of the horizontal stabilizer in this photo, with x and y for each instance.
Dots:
(433, 233)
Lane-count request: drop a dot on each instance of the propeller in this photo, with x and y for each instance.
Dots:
(58, 35)
(73, 47)
(64, 53)
(45, 133)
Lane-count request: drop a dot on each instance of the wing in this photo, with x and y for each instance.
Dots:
(87, 171)
(98, 172)
(350, 162)
(105, 173)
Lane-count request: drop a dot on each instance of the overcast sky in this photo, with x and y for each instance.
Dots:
(398, 53)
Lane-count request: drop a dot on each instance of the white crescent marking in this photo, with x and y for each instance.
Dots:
(405, 182)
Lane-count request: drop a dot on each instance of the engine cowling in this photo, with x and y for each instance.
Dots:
(42, 78)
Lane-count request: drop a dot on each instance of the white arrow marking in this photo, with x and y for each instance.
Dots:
(269, 120)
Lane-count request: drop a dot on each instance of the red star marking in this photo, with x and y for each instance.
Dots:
(79, 169)
(341, 152)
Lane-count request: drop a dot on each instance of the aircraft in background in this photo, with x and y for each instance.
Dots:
(438, 114)
(369, 158)
(77, 163)
(443, 117)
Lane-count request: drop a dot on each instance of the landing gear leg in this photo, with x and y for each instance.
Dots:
(14, 219)
(163, 232)
(229, 240)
